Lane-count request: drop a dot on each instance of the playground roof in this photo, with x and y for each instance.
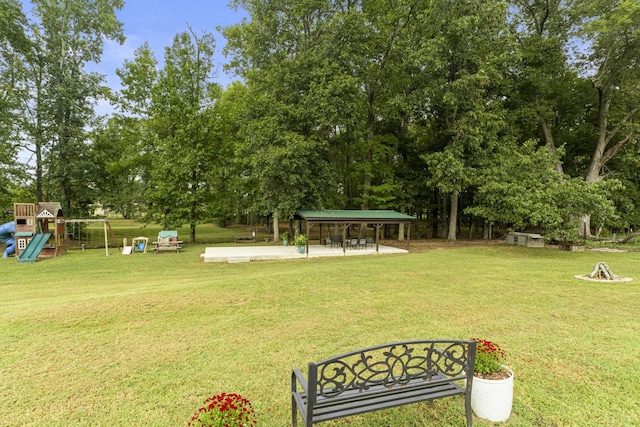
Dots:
(49, 210)
(353, 215)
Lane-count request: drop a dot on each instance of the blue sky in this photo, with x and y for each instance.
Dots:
(157, 22)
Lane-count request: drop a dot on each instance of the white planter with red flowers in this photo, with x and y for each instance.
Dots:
(492, 390)
(492, 399)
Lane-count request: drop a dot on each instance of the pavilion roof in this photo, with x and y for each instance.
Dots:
(380, 216)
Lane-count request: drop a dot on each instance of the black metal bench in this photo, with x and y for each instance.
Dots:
(383, 377)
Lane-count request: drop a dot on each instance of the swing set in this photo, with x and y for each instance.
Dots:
(87, 238)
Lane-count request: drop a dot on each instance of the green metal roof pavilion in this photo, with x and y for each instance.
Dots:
(352, 216)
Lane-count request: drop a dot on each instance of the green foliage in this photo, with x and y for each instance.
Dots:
(626, 195)
(521, 188)
(464, 112)
(14, 45)
(611, 30)
(138, 77)
(59, 94)
(187, 144)
(516, 186)
(119, 165)
(283, 148)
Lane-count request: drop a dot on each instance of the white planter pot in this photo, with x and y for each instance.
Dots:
(492, 399)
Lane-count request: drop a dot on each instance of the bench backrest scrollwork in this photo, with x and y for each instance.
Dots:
(393, 365)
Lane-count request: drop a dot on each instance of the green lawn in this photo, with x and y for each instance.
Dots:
(87, 339)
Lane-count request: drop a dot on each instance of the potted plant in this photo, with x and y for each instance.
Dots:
(301, 242)
(285, 238)
(225, 410)
(492, 390)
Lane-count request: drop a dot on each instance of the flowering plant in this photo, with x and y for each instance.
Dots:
(225, 410)
(490, 357)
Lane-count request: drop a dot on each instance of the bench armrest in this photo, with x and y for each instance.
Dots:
(297, 377)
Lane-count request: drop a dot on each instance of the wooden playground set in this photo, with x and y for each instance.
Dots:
(40, 231)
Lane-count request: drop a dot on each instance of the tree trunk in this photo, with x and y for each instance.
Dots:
(548, 139)
(485, 230)
(401, 227)
(593, 171)
(39, 134)
(444, 213)
(276, 228)
(453, 217)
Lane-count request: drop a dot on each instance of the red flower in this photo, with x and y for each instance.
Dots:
(225, 410)
(489, 357)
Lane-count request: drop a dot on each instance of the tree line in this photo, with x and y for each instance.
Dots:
(520, 114)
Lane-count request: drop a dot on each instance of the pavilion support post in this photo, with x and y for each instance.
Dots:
(378, 236)
(307, 242)
(344, 238)
(408, 236)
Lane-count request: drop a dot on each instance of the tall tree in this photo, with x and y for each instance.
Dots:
(374, 40)
(279, 52)
(71, 34)
(116, 166)
(14, 46)
(544, 84)
(133, 126)
(466, 43)
(236, 188)
(186, 151)
(611, 33)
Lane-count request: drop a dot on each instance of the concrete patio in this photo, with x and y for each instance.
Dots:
(232, 254)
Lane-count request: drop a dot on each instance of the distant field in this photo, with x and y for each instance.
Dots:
(94, 340)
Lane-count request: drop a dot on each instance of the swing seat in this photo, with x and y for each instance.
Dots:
(139, 244)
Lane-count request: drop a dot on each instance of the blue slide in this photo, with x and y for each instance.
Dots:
(6, 236)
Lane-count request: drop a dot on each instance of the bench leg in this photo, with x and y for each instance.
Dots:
(467, 409)
(294, 413)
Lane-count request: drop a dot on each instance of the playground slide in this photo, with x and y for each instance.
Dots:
(33, 249)
(6, 236)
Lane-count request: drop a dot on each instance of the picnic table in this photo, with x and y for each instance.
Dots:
(167, 241)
